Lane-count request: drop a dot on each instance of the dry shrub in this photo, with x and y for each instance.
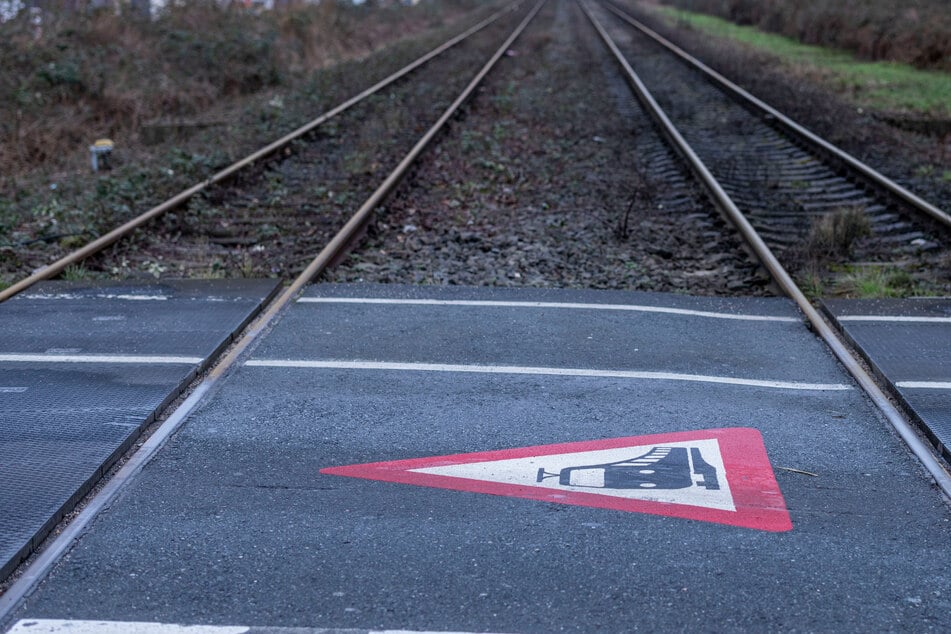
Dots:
(312, 36)
(81, 75)
(835, 233)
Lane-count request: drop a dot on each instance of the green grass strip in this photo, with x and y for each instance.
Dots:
(887, 86)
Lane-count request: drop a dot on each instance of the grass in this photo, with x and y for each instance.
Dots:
(864, 281)
(875, 282)
(885, 86)
(831, 238)
(76, 273)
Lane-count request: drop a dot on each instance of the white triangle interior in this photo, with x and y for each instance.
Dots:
(603, 472)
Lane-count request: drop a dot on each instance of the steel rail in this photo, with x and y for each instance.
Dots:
(797, 129)
(182, 197)
(782, 278)
(41, 566)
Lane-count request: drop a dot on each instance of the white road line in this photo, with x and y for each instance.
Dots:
(12, 390)
(925, 385)
(132, 298)
(57, 626)
(98, 358)
(621, 307)
(896, 318)
(504, 369)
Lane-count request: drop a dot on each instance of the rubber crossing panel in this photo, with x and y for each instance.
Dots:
(83, 369)
(907, 342)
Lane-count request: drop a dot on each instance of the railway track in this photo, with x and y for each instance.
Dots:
(266, 221)
(819, 209)
(763, 178)
(261, 218)
(209, 228)
(332, 250)
(564, 183)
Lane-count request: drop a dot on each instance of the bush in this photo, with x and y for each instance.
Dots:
(916, 32)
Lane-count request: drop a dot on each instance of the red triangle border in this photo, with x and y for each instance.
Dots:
(756, 495)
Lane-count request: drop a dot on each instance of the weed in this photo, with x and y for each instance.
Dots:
(810, 281)
(276, 189)
(217, 270)
(75, 273)
(359, 163)
(266, 232)
(247, 265)
(191, 166)
(504, 99)
(471, 141)
(642, 198)
(74, 241)
(155, 269)
(114, 198)
(500, 131)
(492, 166)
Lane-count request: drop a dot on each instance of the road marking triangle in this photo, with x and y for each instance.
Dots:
(714, 475)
